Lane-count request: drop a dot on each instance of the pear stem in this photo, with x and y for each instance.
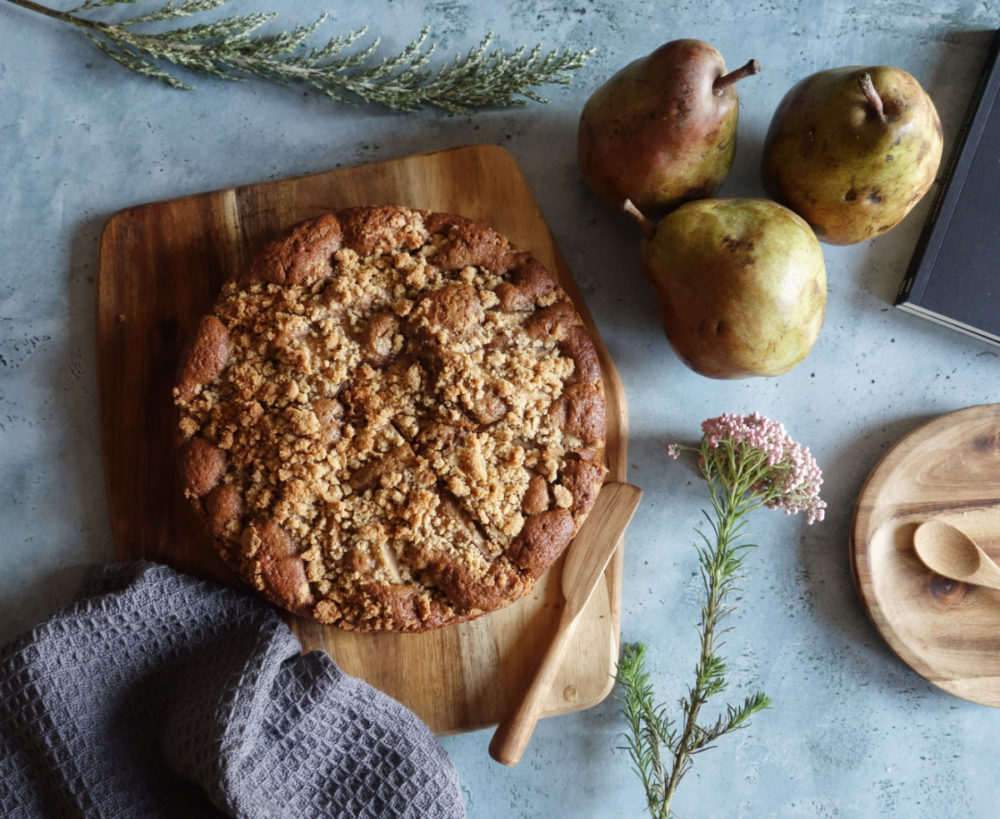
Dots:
(868, 87)
(723, 82)
(648, 228)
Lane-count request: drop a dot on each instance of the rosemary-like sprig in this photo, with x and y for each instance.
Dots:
(228, 48)
(747, 462)
(650, 728)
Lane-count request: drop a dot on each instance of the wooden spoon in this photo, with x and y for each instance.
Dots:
(950, 552)
(585, 563)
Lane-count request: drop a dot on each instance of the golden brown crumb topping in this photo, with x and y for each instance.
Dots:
(391, 420)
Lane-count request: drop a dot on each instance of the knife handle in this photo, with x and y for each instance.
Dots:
(512, 734)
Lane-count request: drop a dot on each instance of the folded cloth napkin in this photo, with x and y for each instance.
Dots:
(158, 694)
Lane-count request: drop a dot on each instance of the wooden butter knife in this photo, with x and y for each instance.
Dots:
(585, 562)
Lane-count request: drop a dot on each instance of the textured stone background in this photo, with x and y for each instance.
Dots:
(853, 732)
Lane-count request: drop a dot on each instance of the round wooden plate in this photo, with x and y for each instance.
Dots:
(947, 631)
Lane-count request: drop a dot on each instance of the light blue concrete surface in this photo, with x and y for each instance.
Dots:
(853, 731)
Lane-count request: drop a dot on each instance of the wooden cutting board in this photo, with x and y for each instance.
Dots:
(947, 631)
(161, 265)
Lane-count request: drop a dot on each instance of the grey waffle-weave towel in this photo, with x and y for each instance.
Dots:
(158, 694)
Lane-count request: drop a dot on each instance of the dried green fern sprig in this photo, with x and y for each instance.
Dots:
(229, 48)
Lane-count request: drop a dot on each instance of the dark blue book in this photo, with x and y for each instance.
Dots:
(954, 274)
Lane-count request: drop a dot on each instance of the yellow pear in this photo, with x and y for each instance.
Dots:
(852, 150)
(741, 284)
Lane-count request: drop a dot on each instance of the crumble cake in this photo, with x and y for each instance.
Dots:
(392, 419)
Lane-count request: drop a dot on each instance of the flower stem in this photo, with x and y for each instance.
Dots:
(719, 567)
(747, 462)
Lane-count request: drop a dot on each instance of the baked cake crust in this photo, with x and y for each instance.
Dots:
(391, 420)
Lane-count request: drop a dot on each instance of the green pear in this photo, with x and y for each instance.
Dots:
(852, 150)
(663, 129)
(740, 283)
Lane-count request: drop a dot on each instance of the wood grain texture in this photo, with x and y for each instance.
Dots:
(160, 268)
(947, 631)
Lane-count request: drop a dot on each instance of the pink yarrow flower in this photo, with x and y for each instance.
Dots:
(747, 461)
(756, 460)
